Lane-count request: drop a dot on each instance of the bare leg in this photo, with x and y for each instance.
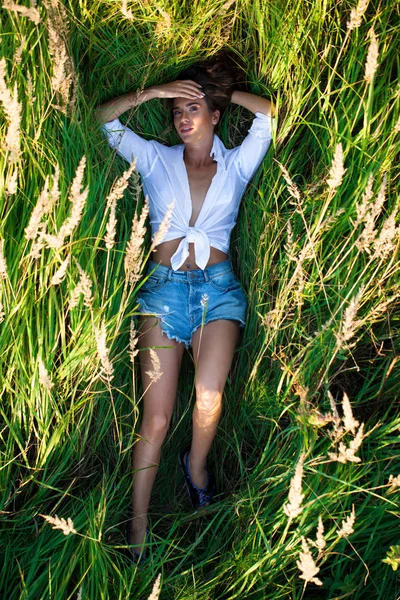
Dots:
(159, 400)
(213, 350)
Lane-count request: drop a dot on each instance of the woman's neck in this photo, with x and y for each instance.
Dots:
(198, 154)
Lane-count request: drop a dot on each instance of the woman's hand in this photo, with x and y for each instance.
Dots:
(175, 89)
(178, 89)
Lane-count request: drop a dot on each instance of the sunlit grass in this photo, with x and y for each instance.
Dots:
(317, 250)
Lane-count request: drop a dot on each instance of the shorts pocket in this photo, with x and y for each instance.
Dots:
(154, 282)
(225, 281)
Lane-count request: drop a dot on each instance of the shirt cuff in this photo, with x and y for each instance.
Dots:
(261, 126)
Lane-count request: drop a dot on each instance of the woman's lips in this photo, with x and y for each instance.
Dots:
(186, 129)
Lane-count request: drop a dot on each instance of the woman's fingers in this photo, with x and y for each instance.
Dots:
(181, 88)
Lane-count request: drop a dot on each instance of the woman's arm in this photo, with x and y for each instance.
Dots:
(253, 103)
(112, 109)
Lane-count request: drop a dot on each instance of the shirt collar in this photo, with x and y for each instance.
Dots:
(218, 150)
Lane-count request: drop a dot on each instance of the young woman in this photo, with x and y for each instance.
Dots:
(192, 296)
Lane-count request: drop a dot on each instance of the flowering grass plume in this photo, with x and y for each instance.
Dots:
(83, 287)
(155, 593)
(369, 212)
(3, 263)
(59, 275)
(164, 226)
(345, 453)
(350, 324)
(292, 187)
(347, 526)
(337, 169)
(116, 192)
(356, 14)
(133, 340)
(134, 247)
(12, 109)
(124, 10)
(31, 13)
(47, 199)
(156, 373)
(293, 508)
(66, 526)
(44, 378)
(372, 58)
(307, 566)
(107, 369)
(320, 542)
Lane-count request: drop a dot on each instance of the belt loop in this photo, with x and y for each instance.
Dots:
(206, 276)
(169, 274)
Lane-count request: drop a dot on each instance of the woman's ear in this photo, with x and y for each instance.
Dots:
(215, 117)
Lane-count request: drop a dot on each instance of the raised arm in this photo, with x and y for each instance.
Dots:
(112, 109)
(253, 103)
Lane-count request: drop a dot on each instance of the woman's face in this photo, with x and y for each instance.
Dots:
(193, 120)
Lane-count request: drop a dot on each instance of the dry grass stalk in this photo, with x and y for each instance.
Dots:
(225, 7)
(63, 81)
(163, 26)
(292, 187)
(394, 482)
(164, 226)
(397, 126)
(120, 185)
(357, 14)
(107, 368)
(156, 373)
(385, 243)
(12, 109)
(347, 526)
(31, 13)
(347, 454)
(372, 58)
(66, 526)
(44, 378)
(350, 423)
(2, 313)
(350, 324)
(11, 185)
(155, 593)
(18, 53)
(368, 234)
(133, 252)
(337, 169)
(83, 287)
(59, 275)
(293, 508)
(111, 227)
(133, 340)
(77, 197)
(3, 263)
(307, 566)
(320, 542)
(364, 206)
(124, 9)
(43, 206)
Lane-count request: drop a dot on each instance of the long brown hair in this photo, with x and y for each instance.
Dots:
(218, 77)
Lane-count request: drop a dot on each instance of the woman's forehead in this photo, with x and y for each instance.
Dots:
(185, 102)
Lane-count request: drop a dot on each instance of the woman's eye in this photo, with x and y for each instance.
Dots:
(177, 113)
(193, 108)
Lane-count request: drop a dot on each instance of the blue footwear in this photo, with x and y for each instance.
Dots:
(199, 497)
(141, 557)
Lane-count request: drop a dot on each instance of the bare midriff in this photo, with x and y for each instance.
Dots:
(166, 250)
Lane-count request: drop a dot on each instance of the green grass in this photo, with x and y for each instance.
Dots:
(66, 451)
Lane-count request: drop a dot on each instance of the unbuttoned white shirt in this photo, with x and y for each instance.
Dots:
(165, 179)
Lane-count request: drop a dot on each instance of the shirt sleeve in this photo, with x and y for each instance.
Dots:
(254, 146)
(129, 145)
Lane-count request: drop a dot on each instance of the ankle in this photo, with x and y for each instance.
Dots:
(198, 473)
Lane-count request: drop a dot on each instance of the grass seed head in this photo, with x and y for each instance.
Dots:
(44, 378)
(156, 373)
(337, 168)
(164, 226)
(3, 263)
(66, 526)
(372, 58)
(347, 526)
(59, 275)
(31, 13)
(134, 247)
(12, 109)
(133, 340)
(356, 14)
(124, 10)
(107, 368)
(293, 508)
(155, 593)
(2, 313)
(307, 566)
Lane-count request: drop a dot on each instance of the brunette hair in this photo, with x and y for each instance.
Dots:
(218, 77)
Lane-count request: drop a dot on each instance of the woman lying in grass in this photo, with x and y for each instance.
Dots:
(191, 288)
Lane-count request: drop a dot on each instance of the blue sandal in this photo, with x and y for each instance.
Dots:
(199, 497)
(140, 558)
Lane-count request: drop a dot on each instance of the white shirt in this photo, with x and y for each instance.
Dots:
(165, 178)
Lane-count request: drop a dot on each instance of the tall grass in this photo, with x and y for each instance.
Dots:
(317, 249)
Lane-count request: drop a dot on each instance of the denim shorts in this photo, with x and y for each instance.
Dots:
(186, 300)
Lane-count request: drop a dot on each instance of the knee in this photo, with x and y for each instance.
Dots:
(155, 427)
(208, 399)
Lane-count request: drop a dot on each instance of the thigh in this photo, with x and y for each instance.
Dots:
(213, 349)
(159, 395)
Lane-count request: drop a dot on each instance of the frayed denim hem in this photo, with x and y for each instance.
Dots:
(163, 324)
